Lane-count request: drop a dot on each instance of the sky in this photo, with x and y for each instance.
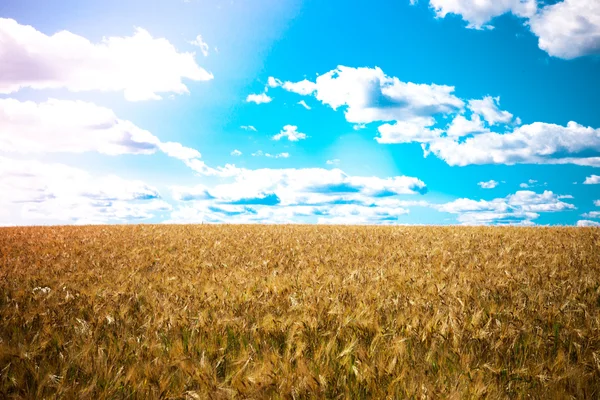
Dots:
(266, 111)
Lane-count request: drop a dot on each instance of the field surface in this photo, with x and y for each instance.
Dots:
(196, 312)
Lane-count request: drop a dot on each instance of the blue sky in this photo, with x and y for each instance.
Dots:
(391, 112)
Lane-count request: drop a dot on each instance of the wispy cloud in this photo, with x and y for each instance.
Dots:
(303, 104)
(199, 42)
(260, 153)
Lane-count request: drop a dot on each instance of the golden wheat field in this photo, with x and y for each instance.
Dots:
(299, 312)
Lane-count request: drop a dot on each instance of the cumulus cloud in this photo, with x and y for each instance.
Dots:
(587, 223)
(591, 214)
(414, 113)
(592, 180)
(568, 29)
(416, 130)
(37, 193)
(565, 29)
(304, 87)
(236, 153)
(248, 128)
(489, 108)
(335, 161)
(76, 127)
(461, 126)
(368, 95)
(597, 203)
(488, 185)
(291, 133)
(141, 66)
(479, 12)
(521, 207)
(258, 98)
(537, 143)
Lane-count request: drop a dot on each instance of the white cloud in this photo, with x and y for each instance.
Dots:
(141, 66)
(528, 184)
(308, 195)
(531, 183)
(191, 193)
(304, 87)
(37, 193)
(489, 109)
(236, 153)
(296, 195)
(248, 128)
(568, 29)
(521, 207)
(335, 161)
(303, 104)
(415, 112)
(488, 185)
(415, 130)
(291, 133)
(313, 185)
(591, 214)
(202, 169)
(479, 12)
(537, 143)
(258, 98)
(361, 215)
(329, 214)
(177, 150)
(545, 202)
(460, 126)
(587, 223)
(597, 203)
(565, 29)
(273, 82)
(369, 95)
(260, 153)
(76, 127)
(202, 44)
(592, 180)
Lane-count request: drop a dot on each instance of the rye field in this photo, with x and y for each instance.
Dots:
(251, 312)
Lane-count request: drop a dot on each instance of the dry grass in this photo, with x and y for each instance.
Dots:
(299, 311)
